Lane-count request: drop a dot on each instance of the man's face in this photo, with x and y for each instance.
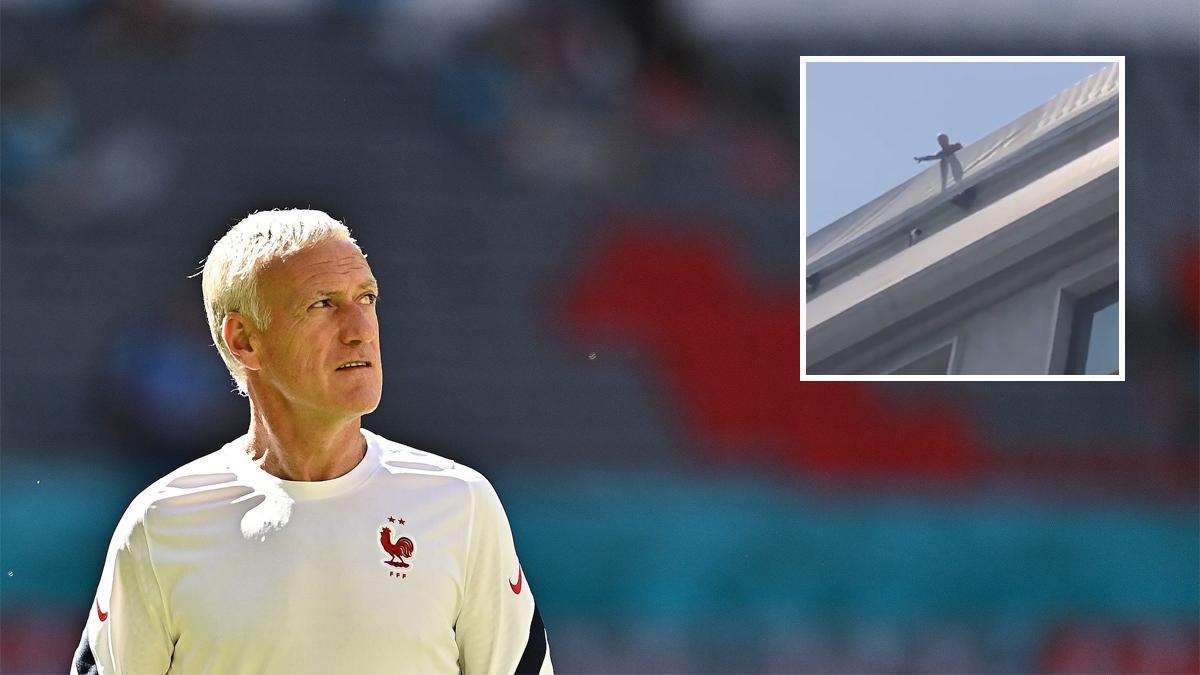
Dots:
(322, 306)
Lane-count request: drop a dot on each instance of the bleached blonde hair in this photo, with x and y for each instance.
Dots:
(231, 270)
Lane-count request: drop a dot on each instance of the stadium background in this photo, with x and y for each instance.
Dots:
(584, 218)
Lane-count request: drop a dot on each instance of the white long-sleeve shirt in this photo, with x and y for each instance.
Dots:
(406, 564)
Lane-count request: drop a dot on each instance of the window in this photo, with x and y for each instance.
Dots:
(1094, 329)
(936, 362)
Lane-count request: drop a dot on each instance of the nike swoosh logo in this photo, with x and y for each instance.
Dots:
(516, 588)
(102, 615)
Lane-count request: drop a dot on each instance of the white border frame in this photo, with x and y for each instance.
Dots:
(1120, 60)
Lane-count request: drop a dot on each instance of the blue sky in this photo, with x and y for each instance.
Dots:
(866, 121)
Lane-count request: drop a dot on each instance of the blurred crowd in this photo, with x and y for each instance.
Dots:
(584, 218)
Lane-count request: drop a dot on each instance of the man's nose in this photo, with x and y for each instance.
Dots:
(358, 325)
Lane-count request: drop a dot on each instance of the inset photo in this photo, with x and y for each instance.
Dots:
(963, 218)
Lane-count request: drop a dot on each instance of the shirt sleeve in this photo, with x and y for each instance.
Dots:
(499, 628)
(127, 626)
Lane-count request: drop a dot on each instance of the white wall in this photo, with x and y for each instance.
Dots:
(1013, 336)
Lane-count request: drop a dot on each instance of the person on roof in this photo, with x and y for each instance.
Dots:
(947, 150)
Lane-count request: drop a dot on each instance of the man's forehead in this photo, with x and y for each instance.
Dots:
(353, 265)
(334, 262)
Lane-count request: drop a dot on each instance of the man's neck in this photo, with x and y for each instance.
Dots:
(308, 450)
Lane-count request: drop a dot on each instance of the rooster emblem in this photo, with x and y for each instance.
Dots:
(401, 548)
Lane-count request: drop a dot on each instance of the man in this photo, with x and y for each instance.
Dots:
(949, 161)
(310, 545)
(947, 150)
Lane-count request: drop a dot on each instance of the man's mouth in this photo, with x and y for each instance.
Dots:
(354, 364)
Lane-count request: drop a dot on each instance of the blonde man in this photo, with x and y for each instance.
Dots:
(310, 545)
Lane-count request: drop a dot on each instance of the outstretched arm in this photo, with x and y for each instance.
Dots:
(945, 152)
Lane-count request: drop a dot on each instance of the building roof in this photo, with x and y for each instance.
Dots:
(1049, 209)
(987, 156)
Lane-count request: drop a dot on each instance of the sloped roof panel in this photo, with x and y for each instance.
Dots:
(985, 156)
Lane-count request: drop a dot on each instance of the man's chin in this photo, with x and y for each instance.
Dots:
(355, 403)
(362, 405)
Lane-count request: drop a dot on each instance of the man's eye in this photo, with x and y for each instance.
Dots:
(321, 304)
(370, 298)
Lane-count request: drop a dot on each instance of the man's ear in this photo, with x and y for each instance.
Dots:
(239, 333)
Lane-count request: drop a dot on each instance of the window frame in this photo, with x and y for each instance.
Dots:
(1083, 315)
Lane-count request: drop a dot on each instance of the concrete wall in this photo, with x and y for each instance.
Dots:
(1016, 335)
